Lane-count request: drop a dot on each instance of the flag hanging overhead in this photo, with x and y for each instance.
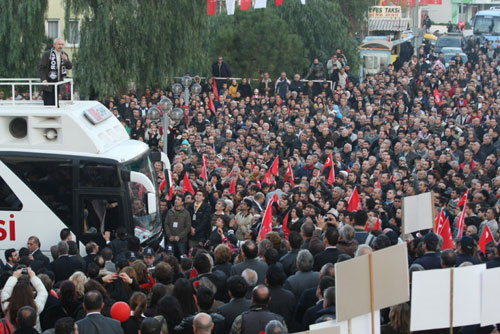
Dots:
(211, 7)
(260, 4)
(245, 4)
(230, 6)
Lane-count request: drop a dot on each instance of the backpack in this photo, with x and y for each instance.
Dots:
(5, 326)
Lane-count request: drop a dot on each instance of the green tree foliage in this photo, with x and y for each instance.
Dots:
(140, 41)
(257, 42)
(146, 42)
(325, 25)
(22, 37)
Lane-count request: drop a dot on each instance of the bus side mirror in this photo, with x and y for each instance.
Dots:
(151, 203)
(155, 156)
(125, 174)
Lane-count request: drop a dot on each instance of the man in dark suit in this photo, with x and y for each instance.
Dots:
(249, 253)
(305, 277)
(52, 68)
(312, 312)
(221, 69)
(309, 297)
(203, 265)
(12, 258)
(289, 260)
(95, 322)
(430, 259)
(64, 266)
(39, 260)
(237, 289)
(331, 253)
(92, 249)
(282, 301)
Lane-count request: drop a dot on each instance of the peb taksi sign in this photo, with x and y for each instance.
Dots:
(384, 12)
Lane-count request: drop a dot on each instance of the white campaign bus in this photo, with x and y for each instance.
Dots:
(72, 166)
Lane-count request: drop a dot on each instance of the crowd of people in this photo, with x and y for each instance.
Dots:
(425, 126)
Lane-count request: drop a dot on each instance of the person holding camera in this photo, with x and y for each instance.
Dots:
(18, 292)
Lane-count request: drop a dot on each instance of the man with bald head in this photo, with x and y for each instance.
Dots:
(202, 324)
(52, 68)
(255, 320)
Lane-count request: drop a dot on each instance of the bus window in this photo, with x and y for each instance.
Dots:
(8, 200)
(94, 174)
(51, 179)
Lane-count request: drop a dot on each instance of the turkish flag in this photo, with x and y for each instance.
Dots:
(232, 189)
(211, 7)
(289, 175)
(186, 184)
(275, 166)
(267, 221)
(331, 176)
(279, 2)
(328, 163)
(463, 199)
(268, 178)
(354, 201)
(375, 228)
(204, 174)
(211, 105)
(216, 91)
(445, 233)
(171, 193)
(259, 184)
(286, 230)
(486, 237)
(461, 220)
(437, 97)
(439, 223)
(245, 4)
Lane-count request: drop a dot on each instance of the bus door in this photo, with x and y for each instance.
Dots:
(99, 201)
(98, 214)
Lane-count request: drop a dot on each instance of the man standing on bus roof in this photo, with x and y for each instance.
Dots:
(52, 68)
(39, 260)
(177, 226)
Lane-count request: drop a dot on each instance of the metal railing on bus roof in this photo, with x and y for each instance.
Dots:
(31, 82)
(255, 79)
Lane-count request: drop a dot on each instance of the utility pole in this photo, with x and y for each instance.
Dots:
(416, 27)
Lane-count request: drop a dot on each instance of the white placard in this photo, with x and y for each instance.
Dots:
(489, 297)
(417, 213)
(327, 327)
(467, 295)
(361, 324)
(430, 299)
